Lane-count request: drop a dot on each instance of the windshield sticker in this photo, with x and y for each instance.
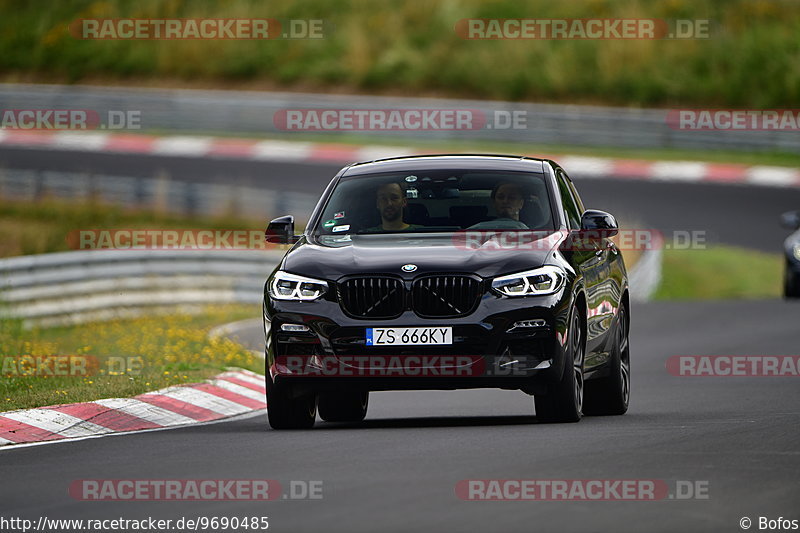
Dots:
(339, 215)
(341, 228)
(411, 179)
(329, 223)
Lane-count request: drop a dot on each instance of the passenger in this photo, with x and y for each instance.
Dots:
(508, 199)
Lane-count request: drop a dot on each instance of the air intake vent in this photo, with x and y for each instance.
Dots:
(376, 297)
(445, 296)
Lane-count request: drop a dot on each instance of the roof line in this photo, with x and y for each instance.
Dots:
(419, 156)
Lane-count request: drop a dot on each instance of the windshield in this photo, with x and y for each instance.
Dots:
(437, 201)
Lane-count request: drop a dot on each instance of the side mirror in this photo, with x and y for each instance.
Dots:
(280, 230)
(791, 220)
(598, 224)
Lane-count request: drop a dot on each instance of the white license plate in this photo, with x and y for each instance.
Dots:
(409, 336)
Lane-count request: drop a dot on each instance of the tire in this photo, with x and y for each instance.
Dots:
(564, 399)
(791, 284)
(610, 395)
(285, 412)
(343, 406)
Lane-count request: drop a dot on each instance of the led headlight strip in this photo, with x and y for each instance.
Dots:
(539, 281)
(286, 286)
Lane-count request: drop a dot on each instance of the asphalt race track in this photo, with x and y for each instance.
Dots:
(397, 471)
(729, 214)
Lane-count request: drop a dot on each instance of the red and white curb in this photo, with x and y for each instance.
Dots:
(233, 393)
(288, 151)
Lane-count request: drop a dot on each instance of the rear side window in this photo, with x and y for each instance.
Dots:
(571, 210)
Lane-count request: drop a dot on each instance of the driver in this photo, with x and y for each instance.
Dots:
(390, 199)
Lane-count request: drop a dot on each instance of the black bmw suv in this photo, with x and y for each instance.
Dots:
(447, 272)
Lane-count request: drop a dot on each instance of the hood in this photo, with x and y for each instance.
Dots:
(485, 253)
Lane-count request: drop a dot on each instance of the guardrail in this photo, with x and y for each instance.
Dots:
(645, 276)
(253, 112)
(74, 287)
(160, 193)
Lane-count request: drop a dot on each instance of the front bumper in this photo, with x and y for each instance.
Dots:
(487, 351)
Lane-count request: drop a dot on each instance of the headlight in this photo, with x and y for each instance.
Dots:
(286, 286)
(797, 251)
(544, 280)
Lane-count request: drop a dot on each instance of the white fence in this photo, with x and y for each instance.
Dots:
(72, 287)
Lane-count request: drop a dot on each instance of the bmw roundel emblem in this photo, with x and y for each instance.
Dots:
(408, 268)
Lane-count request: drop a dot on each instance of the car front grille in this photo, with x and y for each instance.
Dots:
(445, 296)
(431, 296)
(374, 297)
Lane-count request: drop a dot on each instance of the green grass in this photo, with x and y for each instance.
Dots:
(720, 272)
(174, 348)
(162, 351)
(43, 227)
(410, 47)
